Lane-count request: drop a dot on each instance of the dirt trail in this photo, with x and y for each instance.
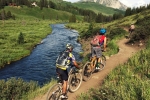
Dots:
(125, 52)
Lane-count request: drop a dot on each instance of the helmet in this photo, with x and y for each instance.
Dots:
(69, 46)
(102, 31)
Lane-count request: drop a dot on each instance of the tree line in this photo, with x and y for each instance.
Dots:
(89, 15)
(131, 11)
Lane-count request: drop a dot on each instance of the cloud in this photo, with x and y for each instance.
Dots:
(127, 2)
(140, 3)
(134, 3)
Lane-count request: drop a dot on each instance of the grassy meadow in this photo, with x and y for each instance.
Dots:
(33, 32)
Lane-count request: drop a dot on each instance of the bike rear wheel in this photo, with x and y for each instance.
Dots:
(75, 81)
(103, 62)
(87, 71)
(54, 92)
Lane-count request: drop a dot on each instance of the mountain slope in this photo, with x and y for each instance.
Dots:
(109, 3)
(97, 8)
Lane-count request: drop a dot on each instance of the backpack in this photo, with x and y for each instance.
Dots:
(62, 59)
(97, 40)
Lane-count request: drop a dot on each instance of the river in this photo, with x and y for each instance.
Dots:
(40, 64)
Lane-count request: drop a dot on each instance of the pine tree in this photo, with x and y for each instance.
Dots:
(20, 38)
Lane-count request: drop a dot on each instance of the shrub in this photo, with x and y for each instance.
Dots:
(143, 30)
(14, 89)
(116, 33)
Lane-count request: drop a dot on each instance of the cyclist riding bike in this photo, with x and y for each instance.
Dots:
(96, 50)
(62, 69)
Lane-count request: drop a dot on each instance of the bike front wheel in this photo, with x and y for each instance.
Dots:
(75, 81)
(54, 92)
(87, 71)
(103, 62)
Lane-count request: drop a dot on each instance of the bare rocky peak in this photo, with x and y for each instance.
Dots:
(109, 3)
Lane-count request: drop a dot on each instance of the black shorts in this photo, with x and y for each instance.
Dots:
(63, 73)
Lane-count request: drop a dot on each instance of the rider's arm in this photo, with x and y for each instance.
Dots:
(76, 64)
(74, 61)
(105, 39)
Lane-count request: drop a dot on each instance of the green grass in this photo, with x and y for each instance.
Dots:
(33, 31)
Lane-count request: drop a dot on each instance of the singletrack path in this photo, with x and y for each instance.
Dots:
(125, 52)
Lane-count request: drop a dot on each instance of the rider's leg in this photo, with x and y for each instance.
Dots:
(65, 84)
(92, 62)
(98, 63)
(64, 76)
(64, 91)
(99, 55)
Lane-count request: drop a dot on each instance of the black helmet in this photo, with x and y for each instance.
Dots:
(69, 46)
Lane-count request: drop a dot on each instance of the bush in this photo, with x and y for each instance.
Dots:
(143, 30)
(14, 89)
(116, 33)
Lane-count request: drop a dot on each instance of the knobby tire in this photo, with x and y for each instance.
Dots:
(75, 81)
(54, 92)
(86, 73)
(103, 62)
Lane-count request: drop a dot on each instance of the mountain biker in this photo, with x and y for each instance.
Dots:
(97, 50)
(131, 29)
(62, 71)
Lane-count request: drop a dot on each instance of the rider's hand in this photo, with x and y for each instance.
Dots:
(80, 70)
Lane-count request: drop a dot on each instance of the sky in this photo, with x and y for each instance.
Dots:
(129, 3)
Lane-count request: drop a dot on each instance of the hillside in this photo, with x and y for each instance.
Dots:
(109, 3)
(35, 12)
(98, 8)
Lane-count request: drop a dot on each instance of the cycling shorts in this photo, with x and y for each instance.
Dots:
(96, 51)
(63, 73)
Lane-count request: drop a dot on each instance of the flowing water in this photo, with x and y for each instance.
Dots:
(40, 64)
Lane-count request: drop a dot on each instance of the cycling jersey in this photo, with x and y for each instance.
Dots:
(70, 59)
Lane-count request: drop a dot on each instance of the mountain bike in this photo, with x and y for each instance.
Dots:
(74, 83)
(90, 67)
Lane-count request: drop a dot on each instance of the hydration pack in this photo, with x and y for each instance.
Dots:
(62, 60)
(97, 40)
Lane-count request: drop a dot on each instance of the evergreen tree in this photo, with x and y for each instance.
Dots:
(72, 18)
(20, 38)
(52, 5)
(41, 4)
(9, 14)
(99, 18)
(3, 15)
(128, 12)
